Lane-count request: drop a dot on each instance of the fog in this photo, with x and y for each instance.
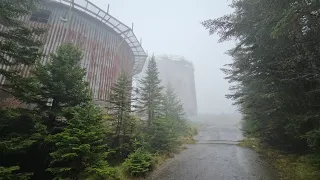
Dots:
(173, 27)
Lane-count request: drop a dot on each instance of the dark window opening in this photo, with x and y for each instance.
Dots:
(40, 16)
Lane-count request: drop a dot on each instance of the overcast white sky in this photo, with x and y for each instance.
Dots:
(173, 27)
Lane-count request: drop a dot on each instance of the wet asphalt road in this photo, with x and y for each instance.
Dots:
(216, 157)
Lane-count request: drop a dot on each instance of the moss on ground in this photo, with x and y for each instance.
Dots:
(289, 166)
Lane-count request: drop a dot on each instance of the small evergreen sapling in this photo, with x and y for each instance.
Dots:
(80, 150)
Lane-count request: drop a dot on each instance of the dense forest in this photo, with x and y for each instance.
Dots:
(275, 70)
(56, 132)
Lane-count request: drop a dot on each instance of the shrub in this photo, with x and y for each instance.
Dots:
(192, 131)
(163, 137)
(102, 171)
(11, 173)
(138, 163)
(79, 150)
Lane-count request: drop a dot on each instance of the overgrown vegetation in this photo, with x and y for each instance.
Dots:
(79, 151)
(123, 125)
(275, 71)
(289, 166)
(56, 131)
(138, 163)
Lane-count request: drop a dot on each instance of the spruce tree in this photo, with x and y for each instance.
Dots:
(20, 130)
(172, 105)
(18, 44)
(150, 92)
(79, 150)
(173, 109)
(275, 69)
(62, 80)
(56, 84)
(120, 103)
(163, 135)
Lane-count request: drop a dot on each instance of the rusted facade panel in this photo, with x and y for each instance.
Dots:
(24, 70)
(105, 54)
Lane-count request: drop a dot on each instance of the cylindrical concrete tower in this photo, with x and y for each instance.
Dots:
(179, 72)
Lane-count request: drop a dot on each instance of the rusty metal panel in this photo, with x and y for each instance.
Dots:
(103, 55)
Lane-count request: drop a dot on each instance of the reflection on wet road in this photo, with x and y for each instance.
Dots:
(216, 157)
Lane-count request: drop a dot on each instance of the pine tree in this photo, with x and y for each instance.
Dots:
(80, 150)
(18, 44)
(61, 80)
(120, 103)
(150, 92)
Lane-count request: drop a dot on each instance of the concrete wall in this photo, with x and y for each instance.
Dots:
(180, 74)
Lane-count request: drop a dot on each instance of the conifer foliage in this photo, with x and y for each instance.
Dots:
(18, 45)
(20, 130)
(120, 107)
(80, 150)
(164, 111)
(275, 69)
(56, 84)
(172, 105)
(151, 92)
(120, 103)
(173, 109)
(163, 135)
(57, 132)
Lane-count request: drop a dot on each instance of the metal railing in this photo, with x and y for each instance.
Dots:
(124, 31)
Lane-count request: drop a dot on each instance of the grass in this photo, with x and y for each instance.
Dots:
(195, 125)
(187, 140)
(193, 129)
(251, 143)
(289, 166)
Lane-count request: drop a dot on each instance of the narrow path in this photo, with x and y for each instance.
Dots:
(216, 157)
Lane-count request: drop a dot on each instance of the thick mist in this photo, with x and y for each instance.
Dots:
(173, 27)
